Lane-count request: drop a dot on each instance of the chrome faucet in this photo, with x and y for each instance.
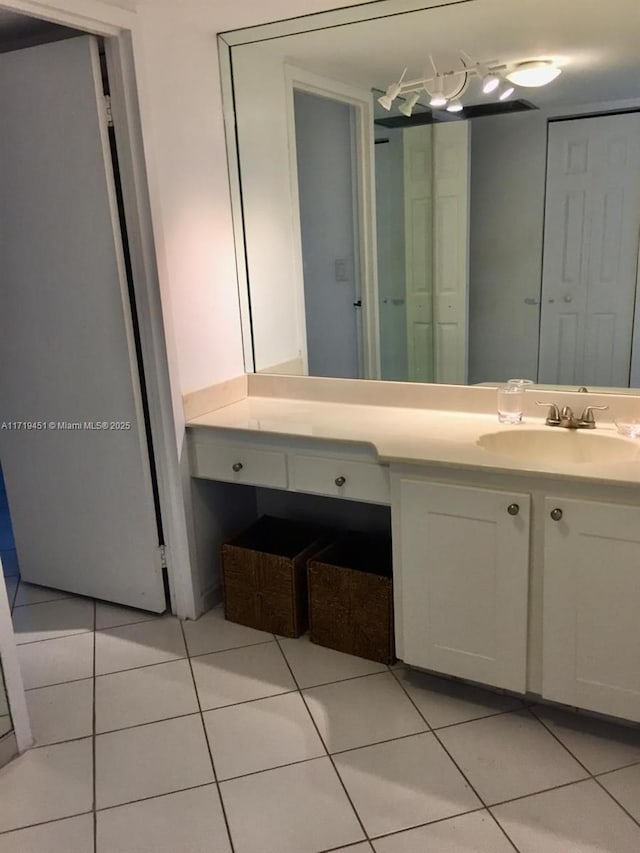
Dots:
(566, 418)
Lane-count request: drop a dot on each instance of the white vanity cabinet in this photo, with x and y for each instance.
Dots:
(461, 566)
(591, 609)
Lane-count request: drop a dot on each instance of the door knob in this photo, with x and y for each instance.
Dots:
(513, 509)
(237, 466)
(340, 481)
(556, 514)
(357, 303)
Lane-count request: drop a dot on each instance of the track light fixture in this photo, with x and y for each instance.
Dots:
(445, 88)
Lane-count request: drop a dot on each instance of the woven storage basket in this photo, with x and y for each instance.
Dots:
(351, 597)
(264, 572)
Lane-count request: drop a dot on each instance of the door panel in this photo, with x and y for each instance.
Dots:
(592, 221)
(80, 495)
(591, 604)
(464, 581)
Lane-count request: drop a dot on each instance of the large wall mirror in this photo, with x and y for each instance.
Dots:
(409, 225)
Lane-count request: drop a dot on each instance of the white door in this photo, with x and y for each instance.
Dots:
(592, 222)
(81, 498)
(436, 185)
(462, 581)
(418, 220)
(591, 655)
(451, 250)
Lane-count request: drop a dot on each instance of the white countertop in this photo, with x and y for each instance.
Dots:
(415, 435)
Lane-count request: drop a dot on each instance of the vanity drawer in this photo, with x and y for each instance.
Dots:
(238, 463)
(322, 475)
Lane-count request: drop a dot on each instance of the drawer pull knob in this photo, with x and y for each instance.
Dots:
(340, 481)
(237, 466)
(556, 514)
(513, 509)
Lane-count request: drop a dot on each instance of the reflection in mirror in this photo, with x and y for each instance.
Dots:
(5, 715)
(420, 244)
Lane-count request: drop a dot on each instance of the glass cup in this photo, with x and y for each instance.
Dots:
(510, 400)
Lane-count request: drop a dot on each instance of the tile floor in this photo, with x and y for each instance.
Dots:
(208, 737)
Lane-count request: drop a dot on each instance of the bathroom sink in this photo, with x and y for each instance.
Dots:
(560, 445)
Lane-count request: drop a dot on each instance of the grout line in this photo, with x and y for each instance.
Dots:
(455, 763)
(93, 739)
(322, 741)
(429, 823)
(48, 639)
(206, 738)
(43, 822)
(158, 797)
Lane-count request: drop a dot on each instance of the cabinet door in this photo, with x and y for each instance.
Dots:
(591, 622)
(463, 581)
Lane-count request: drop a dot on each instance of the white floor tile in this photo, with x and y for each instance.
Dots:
(212, 633)
(509, 756)
(52, 619)
(240, 675)
(362, 711)
(55, 661)
(45, 784)
(151, 760)
(599, 745)
(404, 783)
(144, 695)
(579, 818)
(112, 615)
(260, 735)
(29, 593)
(71, 835)
(624, 785)
(471, 833)
(137, 645)
(296, 809)
(444, 702)
(186, 822)
(313, 664)
(62, 712)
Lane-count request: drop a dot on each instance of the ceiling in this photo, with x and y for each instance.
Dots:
(596, 42)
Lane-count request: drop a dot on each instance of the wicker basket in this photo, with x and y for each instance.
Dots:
(351, 597)
(264, 575)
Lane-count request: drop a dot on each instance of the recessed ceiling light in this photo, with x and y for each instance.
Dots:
(537, 72)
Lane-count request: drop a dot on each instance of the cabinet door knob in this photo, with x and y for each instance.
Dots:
(237, 466)
(513, 509)
(556, 514)
(340, 481)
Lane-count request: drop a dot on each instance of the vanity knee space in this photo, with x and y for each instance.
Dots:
(521, 586)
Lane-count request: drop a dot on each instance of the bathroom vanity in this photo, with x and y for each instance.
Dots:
(512, 568)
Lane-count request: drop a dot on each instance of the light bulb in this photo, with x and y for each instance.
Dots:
(506, 90)
(537, 72)
(490, 82)
(438, 101)
(454, 107)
